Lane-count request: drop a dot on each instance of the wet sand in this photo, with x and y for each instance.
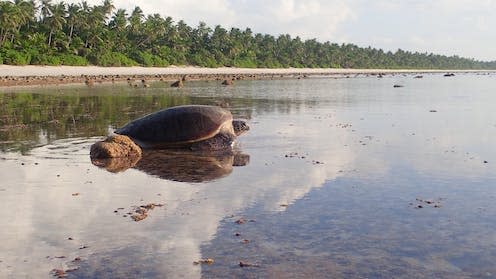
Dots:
(49, 75)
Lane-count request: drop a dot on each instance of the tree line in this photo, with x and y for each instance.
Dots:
(48, 33)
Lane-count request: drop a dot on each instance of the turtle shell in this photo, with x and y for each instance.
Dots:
(178, 126)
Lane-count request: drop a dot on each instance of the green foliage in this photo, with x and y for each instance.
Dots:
(74, 60)
(46, 33)
(245, 63)
(14, 57)
(111, 59)
(147, 59)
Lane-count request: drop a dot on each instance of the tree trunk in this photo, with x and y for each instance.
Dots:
(50, 38)
(2, 36)
(70, 33)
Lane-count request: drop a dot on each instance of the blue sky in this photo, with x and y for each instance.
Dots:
(461, 27)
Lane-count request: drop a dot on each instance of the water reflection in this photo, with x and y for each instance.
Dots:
(335, 169)
(178, 165)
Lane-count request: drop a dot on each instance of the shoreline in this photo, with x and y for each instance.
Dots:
(48, 75)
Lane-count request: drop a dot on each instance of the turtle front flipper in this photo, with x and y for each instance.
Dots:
(221, 141)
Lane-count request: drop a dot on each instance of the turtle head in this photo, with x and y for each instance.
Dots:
(240, 127)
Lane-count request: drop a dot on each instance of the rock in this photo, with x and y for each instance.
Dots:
(89, 82)
(178, 84)
(240, 221)
(419, 76)
(204, 261)
(397, 86)
(227, 82)
(115, 146)
(246, 264)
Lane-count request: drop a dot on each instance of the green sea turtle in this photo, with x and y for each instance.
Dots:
(195, 127)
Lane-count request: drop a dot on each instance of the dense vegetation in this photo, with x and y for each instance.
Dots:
(46, 33)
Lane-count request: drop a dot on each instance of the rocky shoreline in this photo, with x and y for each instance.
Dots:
(90, 75)
(91, 80)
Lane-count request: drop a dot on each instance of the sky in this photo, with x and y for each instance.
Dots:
(448, 27)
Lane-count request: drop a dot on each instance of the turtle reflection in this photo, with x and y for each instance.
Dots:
(178, 165)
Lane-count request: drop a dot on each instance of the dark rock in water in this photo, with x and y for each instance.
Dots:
(449, 75)
(433, 110)
(397, 86)
(178, 83)
(89, 82)
(227, 82)
(418, 76)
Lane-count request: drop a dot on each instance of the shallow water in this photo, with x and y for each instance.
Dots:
(341, 178)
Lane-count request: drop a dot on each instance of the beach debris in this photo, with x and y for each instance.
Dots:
(75, 194)
(247, 264)
(59, 273)
(204, 261)
(421, 203)
(139, 213)
(303, 156)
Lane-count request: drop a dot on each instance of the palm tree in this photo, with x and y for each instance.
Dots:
(107, 7)
(117, 26)
(46, 11)
(8, 20)
(56, 20)
(26, 11)
(73, 17)
(135, 21)
(154, 30)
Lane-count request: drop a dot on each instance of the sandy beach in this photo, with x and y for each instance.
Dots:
(39, 75)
